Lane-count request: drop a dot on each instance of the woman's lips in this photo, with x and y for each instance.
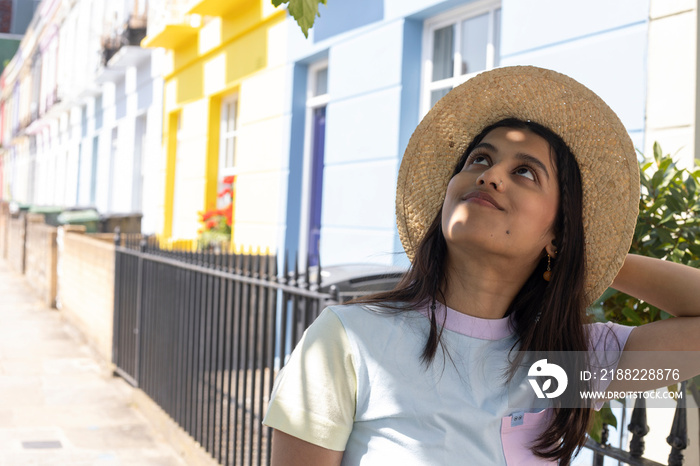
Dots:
(480, 197)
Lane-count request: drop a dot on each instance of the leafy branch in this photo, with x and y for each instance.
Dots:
(303, 11)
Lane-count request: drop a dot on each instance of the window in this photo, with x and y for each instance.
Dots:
(93, 170)
(139, 155)
(312, 194)
(112, 184)
(456, 46)
(227, 133)
(228, 165)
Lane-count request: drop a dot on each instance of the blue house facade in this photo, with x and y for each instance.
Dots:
(371, 69)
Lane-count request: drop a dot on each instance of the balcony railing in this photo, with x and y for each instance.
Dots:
(170, 23)
(131, 32)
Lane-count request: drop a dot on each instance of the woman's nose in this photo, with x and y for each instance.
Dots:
(492, 178)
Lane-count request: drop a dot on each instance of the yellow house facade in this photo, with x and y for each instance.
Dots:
(223, 115)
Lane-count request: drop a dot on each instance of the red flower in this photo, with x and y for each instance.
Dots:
(227, 212)
(229, 179)
(207, 215)
(225, 192)
(211, 224)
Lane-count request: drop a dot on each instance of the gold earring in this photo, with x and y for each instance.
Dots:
(548, 273)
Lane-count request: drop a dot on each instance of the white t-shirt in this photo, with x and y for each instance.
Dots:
(356, 383)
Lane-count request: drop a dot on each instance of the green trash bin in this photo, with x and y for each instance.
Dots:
(50, 213)
(88, 217)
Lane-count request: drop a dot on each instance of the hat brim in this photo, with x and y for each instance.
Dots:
(599, 141)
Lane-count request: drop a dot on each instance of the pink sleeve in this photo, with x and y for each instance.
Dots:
(607, 343)
(609, 336)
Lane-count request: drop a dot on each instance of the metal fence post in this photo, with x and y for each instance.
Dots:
(599, 458)
(638, 426)
(678, 438)
(116, 331)
(139, 310)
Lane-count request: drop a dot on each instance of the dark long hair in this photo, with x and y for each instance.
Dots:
(547, 316)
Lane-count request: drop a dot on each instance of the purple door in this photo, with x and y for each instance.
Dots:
(317, 150)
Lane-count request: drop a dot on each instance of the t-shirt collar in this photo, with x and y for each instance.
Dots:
(476, 327)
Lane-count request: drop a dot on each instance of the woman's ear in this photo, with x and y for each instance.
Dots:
(551, 249)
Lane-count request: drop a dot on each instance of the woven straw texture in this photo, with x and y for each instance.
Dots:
(596, 136)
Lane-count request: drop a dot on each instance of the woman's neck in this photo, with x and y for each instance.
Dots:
(483, 286)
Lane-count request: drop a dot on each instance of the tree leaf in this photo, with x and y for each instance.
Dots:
(657, 203)
(608, 416)
(596, 429)
(604, 416)
(653, 314)
(656, 179)
(664, 236)
(632, 316)
(304, 12)
(694, 248)
(657, 152)
(667, 218)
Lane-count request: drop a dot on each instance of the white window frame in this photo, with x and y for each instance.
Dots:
(113, 155)
(454, 17)
(224, 134)
(140, 151)
(312, 103)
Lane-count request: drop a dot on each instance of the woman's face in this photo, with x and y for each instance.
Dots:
(505, 199)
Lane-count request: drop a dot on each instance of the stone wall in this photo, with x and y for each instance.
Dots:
(41, 258)
(4, 228)
(15, 242)
(86, 286)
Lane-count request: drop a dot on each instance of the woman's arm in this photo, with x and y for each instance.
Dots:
(314, 397)
(675, 288)
(291, 451)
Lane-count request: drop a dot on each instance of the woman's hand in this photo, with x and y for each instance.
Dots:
(291, 451)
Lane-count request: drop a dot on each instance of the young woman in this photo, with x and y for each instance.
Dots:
(516, 202)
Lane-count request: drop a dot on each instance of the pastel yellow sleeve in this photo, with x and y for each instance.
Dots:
(314, 396)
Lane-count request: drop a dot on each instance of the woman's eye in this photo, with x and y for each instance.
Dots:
(525, 172)
(479, 160)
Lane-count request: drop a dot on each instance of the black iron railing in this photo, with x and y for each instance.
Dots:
(204, 334)
(677, 438)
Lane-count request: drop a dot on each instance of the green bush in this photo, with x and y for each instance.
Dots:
(668, 228)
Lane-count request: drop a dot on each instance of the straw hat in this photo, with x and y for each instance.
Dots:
(596, 136)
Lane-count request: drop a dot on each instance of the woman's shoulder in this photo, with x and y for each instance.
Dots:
(339, 319)
(381, 310)
(375, 318)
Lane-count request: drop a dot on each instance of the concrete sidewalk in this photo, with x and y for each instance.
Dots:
(58, 404)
